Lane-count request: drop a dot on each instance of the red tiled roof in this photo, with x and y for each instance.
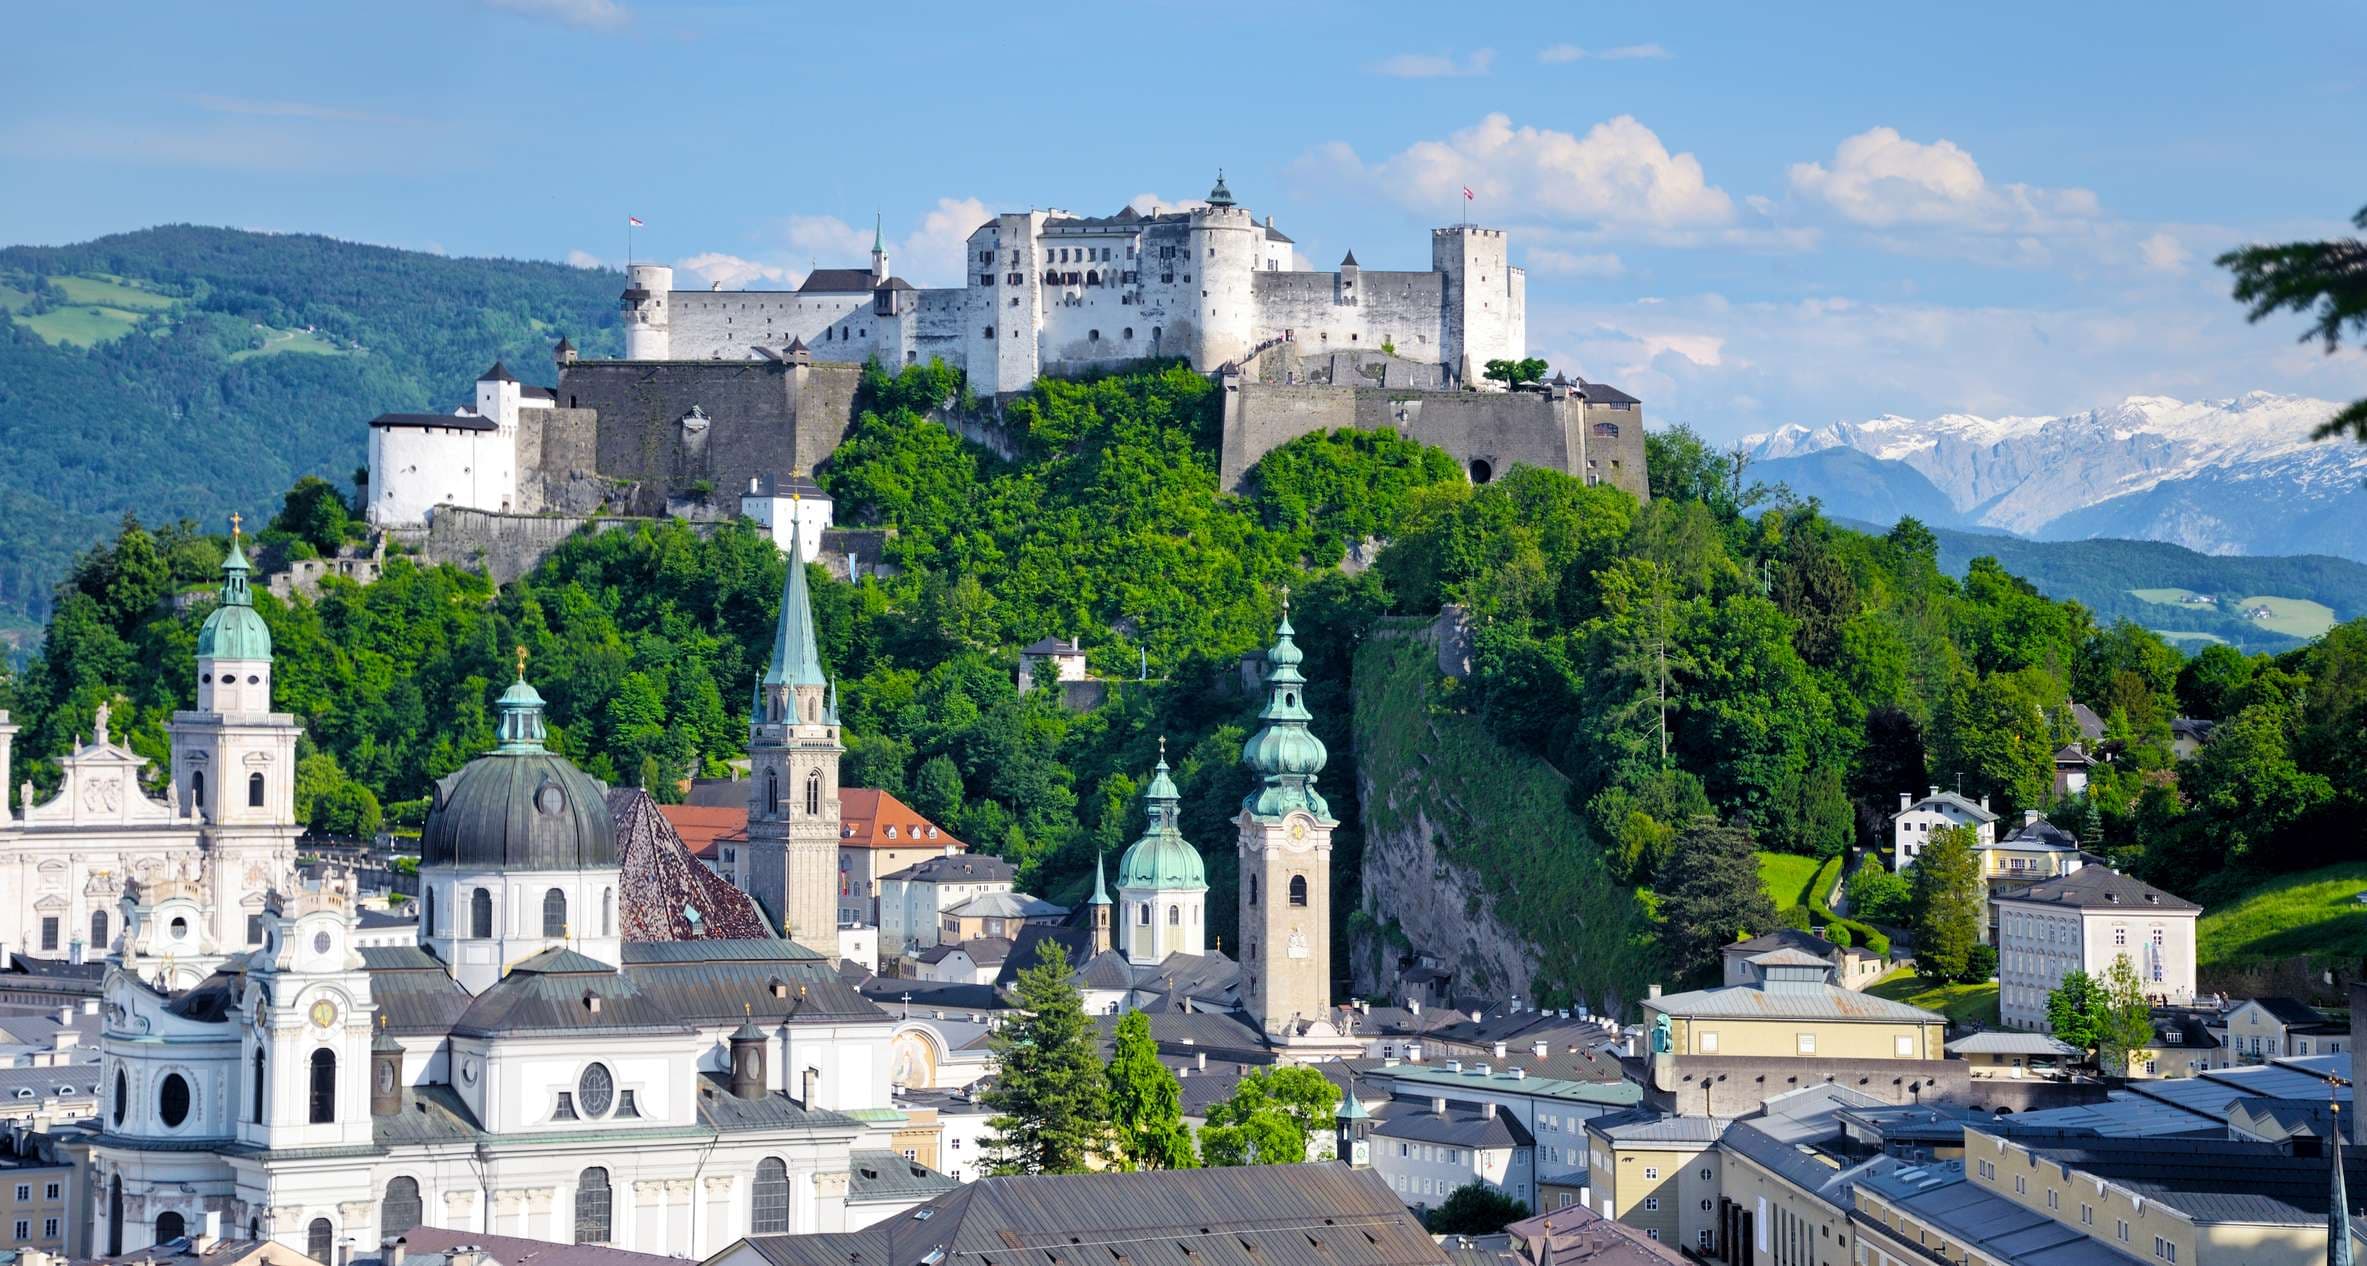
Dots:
(701, 826)
(874, 819)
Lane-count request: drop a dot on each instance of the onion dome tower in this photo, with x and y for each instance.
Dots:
(1162, 884)
(519, 854)
(1285, 858)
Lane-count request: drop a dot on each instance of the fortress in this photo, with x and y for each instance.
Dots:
(721, 391)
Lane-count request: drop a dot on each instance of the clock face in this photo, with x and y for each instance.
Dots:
(324, 1013)
(1298, 830)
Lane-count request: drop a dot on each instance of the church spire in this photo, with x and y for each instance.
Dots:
(797, 658)
(234, 571)
(1284, 753)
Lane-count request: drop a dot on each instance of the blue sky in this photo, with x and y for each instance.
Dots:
(1748, 215)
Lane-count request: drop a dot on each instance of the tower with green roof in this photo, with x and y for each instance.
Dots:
(233, 758)
(1285, 843)
(793, 753)
(1162, 885)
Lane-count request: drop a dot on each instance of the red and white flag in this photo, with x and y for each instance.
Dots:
(1467, 196)
(635, 220)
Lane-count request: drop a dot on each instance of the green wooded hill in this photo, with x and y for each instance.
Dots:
(1702, 680)
(188, 371)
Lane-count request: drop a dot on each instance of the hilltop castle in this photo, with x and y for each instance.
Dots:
(722, 391)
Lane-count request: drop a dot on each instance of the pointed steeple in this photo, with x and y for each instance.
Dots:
(797, 657)
(879, 239)
(1101, 892)
(1284, 753)
(2338, 1208)
(234, 630)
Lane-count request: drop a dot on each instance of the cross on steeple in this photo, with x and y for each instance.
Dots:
(521, 661)
(235, 520)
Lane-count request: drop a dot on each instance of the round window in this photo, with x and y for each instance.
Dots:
(320, 942)
(595, 1091)
(172, 1100)
(180, 928)
(550, 799)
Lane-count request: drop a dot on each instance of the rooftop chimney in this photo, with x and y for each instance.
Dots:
(1984, 802)
(1906, 801)
(1413, 1052)
(1454, 1065)
(1499, 1050)
(2029, 816)
(209, 1232)
(1652, 990)
(1488, 1110)
(390, 1251)
(1437, 1106)
(1935, 789)
(1200, 1060)
(1538, 1048)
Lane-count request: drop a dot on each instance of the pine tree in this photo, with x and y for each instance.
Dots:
(1948, 906)
(2091, 826)
(1051, 1097)
(1710, 894)
(1146, 1102)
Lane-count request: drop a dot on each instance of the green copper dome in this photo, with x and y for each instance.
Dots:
(1284, 753)
(234, 631)
(1162, 858)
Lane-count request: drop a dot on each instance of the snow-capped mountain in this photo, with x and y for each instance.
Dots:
(2234, 476)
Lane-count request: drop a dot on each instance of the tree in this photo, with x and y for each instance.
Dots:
(1878, 896)
(1051, 1097)
(1146, 1113)
(1948, 906)
(2327, 278)
(1270, 1118)
(1710, 894)
(2075, 1011)
(2124, 1018)
(1475, 1208)
(1513, 373)
(315, 513)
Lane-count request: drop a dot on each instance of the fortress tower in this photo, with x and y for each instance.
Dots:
(642, 309)
(1225, 250)
(1486, 300)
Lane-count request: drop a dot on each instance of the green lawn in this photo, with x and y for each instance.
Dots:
(2188, 635)
(1964, 1004)
(2172, 596)
(289, 342)
(2298, 617)
(2311, 913)
(1785, 876)
(82, 327)
(111, 293)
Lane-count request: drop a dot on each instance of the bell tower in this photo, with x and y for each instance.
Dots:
(1285, 860)
(305, 1059)
(793, 751)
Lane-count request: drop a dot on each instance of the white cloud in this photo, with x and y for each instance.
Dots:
(580, 258)
(931, 254)
(730, 272)
(1436, 65)
(290, 110)
(2163, 253)
(1558, 54)
(1618, 176)
(1563, 54)
(1882, 179)
(1145, 203)
(1546, 259)
(590, 14)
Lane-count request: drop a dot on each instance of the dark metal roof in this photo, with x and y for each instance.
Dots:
(961, 868)
(428, 1114)
(415, 993)
(519, 810)
(457, 421)
(211, 1000)
(2287, 1010)
(773, 1110)
(1604, 393)
(880, 1175)
(1278, 1215)
(425, 1245)
(1461, 1125)
(836, 280)
(375, 919)
(932, 995)
(2099, 888)
(499, 373)
(747, 982)
(1053, 646)
(560, 990)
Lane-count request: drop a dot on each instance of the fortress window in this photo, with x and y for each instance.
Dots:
(1092, 336)
(1129, 333)
(1606, 430)
(1167, 278)
(990, 329)
(1014, 279)
(986, 257)
(1093, 278)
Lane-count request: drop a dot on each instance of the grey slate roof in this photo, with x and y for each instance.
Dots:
(1791, 1002)
(2041, 834)
(499, 373)
(381, 919)
(1970, 808)
(1262, 1215)
(836, 281)
(415, 994)
(1782, 938)
(1788, 957)
(457, 421)
(882, 1176)
(1463, 1124)
(720, 982)
(774, 1110)
(1649, 1125)
(2099, 888)
(2288, 1010)
(2004, 1042)
(1604, 393)
(556, 991)
(961, 868)
(490, 815)
(432, 1246)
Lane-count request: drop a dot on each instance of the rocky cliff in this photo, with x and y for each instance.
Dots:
(1472, 855)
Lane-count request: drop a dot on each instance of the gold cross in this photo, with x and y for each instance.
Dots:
(234, 522)
(1286, 599)
(521, 661)
(1162, 749)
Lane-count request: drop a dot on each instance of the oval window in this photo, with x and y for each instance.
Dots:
(172, 1100)
(320, 942)
(595, 1090)
(550, 800)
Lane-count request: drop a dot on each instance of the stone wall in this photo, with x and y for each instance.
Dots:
(558, 462)
(752, 418)
(507, 546)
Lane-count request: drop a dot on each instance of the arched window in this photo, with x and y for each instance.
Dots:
(318, 1240)
(1298, 890)
(813, 794)
(772, 792)
(197, 788)
(1142, 914)
(591, 1207)
(172, 1100)
(427, 911)
(1175, 916)
(770, 1214)
(260, 1085)
(401, 1209)
(254, 791)
(554, 913)
(480, 912)
(98, 931)
(324, 1086)
(115, 1213)
(122, 1095)
(170, 1227)
(608, 912)
(1253, 890)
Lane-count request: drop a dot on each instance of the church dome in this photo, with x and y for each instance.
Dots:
(234, 631)
(519, 807)
(1162, 858)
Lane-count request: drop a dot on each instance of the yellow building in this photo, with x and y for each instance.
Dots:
(1792, 1012)
(1658, 1174)
(39, 1186)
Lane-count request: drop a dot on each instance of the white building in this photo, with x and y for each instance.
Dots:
(193, 867)
(1911, 828)
(468, 457)
(2083, 921)
(793, 510)
(1052, 292)
(913, 901)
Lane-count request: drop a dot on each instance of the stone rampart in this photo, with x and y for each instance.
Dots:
(507, 546)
